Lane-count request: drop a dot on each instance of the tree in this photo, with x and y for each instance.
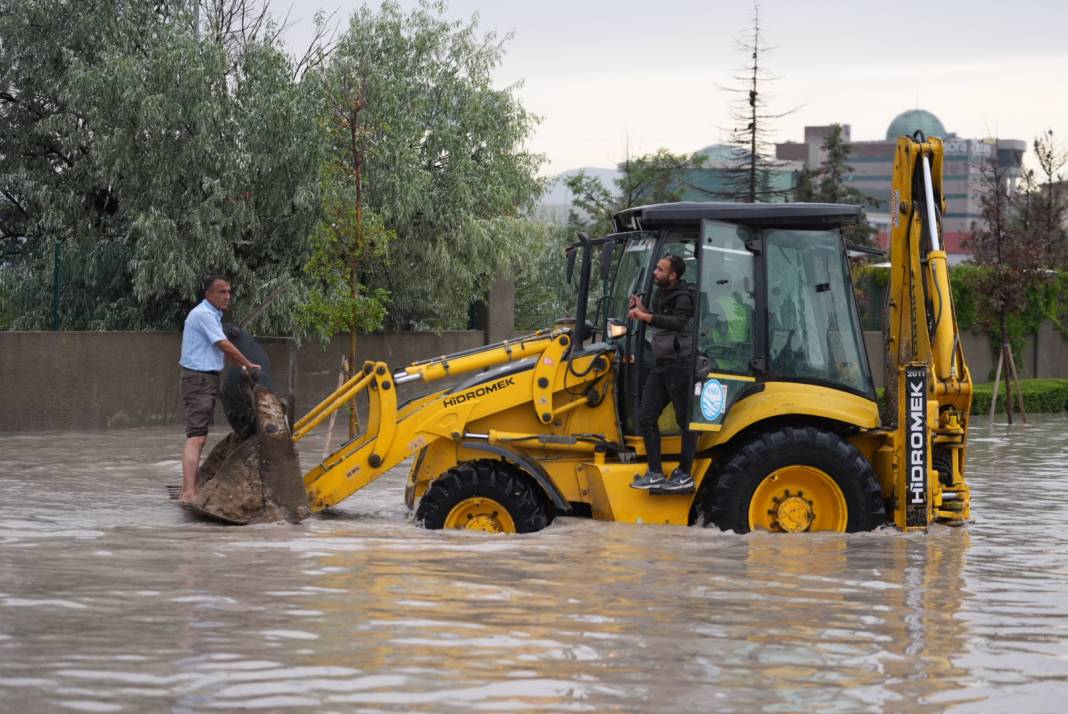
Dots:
(541, 293)
(444, 166)
(1012, 261)
(660, 177)
(749, 175)
(1049, 203)
(153, 157)
(829, 184)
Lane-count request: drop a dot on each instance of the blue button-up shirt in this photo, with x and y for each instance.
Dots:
(203, 328)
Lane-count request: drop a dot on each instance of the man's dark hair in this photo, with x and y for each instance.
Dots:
(677, 265)
(210, 280)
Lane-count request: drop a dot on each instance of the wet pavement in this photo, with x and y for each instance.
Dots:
(112, 599)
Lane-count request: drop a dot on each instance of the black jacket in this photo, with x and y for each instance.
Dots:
(673, 310)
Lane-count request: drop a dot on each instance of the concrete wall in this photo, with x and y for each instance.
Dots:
(108, 380)
(1045, 354)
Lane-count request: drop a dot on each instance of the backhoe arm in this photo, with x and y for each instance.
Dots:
(923, 350)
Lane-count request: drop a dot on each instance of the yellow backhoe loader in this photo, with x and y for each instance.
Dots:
(790, 435)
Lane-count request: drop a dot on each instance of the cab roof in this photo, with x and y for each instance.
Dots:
(791, 215)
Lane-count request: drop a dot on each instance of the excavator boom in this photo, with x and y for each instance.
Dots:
(927, 378)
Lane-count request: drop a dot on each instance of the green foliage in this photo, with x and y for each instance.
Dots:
(965, 284)
(1013, 269)
(1040, 396)
(445, 167)
(337, 299)
(1043, 300)
(541, 293)
(154, 158)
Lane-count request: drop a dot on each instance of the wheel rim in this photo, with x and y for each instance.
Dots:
(796, 499)
(480, 514)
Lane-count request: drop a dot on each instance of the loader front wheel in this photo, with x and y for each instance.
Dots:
(795, 479)
(489, 496)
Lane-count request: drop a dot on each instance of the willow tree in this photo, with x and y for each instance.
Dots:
(347, 235)
(155, 151)
(443, 163)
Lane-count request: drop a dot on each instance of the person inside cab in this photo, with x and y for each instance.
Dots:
(671, 379)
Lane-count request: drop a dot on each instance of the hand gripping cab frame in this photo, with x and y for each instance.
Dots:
(790, 434)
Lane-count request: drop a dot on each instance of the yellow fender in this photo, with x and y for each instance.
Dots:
(778, 399)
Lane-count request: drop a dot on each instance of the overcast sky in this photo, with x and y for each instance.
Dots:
(604, 76)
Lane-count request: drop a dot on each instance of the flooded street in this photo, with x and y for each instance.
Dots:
(111, 599)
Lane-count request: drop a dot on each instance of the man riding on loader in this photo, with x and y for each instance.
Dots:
(671, 379)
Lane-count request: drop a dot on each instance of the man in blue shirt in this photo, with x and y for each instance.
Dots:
(205, 350)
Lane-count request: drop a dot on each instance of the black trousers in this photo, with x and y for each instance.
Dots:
(667, 383)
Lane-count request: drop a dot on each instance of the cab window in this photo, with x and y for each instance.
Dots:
(727, 304)
(813, 330)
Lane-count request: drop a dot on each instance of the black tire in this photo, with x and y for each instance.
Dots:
(496, 480)
(744, 468)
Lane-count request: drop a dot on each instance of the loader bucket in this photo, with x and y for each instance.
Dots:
(258, 479)
(253, 475)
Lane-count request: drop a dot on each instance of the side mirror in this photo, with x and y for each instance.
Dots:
(616, 328)
(607, 250)
(569, 272)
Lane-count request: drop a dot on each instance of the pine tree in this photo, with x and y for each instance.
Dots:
(752, 166)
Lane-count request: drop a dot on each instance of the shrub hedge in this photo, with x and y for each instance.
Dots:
(1040, 395)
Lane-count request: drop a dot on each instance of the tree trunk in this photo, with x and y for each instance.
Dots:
(354, 416)
(1016, 379)
(1005, 350)
(354, 268)
(997, 384)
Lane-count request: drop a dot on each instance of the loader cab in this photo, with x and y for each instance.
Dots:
(775, 299)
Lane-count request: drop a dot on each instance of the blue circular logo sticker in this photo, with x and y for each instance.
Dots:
(713, 399)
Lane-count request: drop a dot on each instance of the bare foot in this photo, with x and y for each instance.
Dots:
(186, 497)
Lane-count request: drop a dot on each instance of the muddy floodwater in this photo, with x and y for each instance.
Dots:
(111, 599)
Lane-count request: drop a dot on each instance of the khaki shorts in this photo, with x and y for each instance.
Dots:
(199, 392)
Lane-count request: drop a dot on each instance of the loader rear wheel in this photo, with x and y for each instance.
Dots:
(490, 496)
(795, 479)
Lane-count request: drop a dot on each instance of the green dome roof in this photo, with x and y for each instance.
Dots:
(718, 152)
(905, 123)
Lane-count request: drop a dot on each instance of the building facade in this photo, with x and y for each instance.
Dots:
(873, 163)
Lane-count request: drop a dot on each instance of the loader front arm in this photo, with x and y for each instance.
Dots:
(528, 370)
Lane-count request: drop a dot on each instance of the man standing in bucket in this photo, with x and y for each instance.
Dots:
(671, 319)
(205, 350)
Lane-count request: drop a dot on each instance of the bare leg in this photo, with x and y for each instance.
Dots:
(194, 445)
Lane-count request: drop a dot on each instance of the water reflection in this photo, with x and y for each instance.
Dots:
(111, 600)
